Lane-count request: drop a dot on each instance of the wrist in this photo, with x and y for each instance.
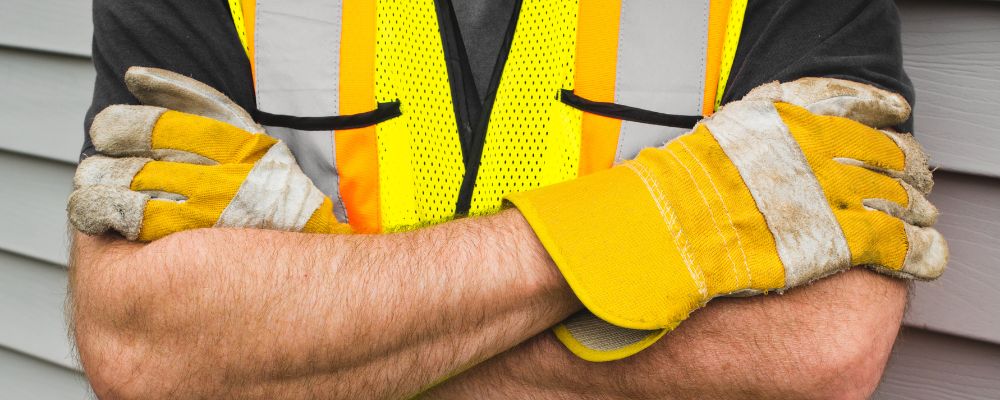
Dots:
(523, 255)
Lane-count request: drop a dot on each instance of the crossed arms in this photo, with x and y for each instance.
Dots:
(248, 313)
(223, 313)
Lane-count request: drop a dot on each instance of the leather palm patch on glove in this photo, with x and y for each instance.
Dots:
(189, 158)
(793, 183)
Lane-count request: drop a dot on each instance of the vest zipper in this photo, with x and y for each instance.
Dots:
(477, 140)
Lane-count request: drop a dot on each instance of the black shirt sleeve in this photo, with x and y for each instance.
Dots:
(194, 38)
(857, 40)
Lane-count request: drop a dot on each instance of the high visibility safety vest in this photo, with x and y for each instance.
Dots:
(377, 102)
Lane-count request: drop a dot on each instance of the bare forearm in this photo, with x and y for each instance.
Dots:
(827, 340)
(243, 314)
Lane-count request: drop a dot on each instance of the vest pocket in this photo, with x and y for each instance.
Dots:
(383, 112)
(636, 129)
(628, 113)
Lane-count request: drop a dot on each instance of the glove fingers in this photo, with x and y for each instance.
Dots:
(157, 133)
(913, 170)
(916, 170)
(96, 210)
(917, 211)
(888, 245)
(217, 183)
(927, 255)
(839, 98)
(107, 171)
(126, 130)
(163, 217)
(880, 192)
(848, 187)
(214, 140)
(157, 87)
(842, 139)
(145, 200)
(874, 238)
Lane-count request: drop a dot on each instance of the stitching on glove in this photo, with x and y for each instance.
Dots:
(732, 224)
(670, 219)
(711, 212)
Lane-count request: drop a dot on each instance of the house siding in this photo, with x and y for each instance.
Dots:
(46, 79)
(950, 349)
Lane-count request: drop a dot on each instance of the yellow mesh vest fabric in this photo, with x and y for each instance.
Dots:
(236, 10)
(734, 27)
(533, 139)
(420, 156)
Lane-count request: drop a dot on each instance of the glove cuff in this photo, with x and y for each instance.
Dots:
(606, 235)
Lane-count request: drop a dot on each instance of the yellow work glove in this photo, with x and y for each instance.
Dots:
(786, 186)
(189, 158)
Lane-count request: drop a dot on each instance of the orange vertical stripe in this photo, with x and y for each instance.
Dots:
(718, 18)
(250, 25)
(596, 65)
(357, 149)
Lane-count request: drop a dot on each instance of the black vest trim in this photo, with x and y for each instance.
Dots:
(627, 113)
(383, 112)
(478, 140)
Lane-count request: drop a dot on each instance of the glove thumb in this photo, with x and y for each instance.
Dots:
(173, 91)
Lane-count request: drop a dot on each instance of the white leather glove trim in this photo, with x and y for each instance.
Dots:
(275, 195)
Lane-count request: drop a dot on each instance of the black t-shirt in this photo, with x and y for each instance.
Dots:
(782, 40)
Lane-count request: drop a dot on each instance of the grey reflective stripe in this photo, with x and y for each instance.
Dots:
(297, 55)
(315, 153)
(636, 136)
(661, 65)
(297, 63)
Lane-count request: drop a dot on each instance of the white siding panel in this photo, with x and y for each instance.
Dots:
(45, 98)
(952, 52)
(929, 366)
(32, 295)
(62, 26)
(24, 377)
(964, 300)
(33, 193)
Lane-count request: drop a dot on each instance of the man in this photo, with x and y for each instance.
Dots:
(248, 313)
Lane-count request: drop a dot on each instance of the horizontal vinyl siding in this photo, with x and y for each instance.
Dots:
(45, 98)
(23, 377)
(32, 294)
(33, 206)
(952, 53)
(930, 366)
(61, 26)
(964, 301)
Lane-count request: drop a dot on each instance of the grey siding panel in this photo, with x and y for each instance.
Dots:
(964, 300)
(32, 294)
(62, 26)
(33, 206)
(24, 377)
(44, 100)
(929, 366)
(952, 53)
